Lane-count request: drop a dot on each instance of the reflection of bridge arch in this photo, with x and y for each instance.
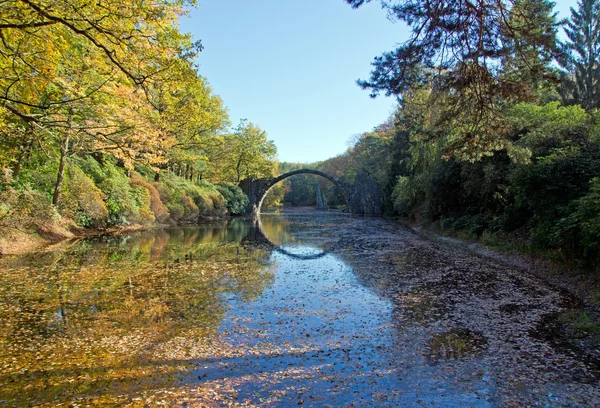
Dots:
(278, 248)
(257, 189)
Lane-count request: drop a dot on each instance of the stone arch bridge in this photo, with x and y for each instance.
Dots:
(363, 197)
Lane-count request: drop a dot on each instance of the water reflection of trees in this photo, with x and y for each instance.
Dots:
(106, 304)
(87, 320)
(277, 230)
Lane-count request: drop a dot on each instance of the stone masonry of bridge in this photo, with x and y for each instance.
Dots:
(364, 197)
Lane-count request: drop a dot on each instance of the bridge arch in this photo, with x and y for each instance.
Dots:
(263, 190)
(364, 196)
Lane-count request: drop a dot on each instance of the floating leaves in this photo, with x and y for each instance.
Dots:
(456, 343)
(214, 317)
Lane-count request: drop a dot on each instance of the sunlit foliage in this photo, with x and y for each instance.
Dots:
(103, 112)
(477, 57)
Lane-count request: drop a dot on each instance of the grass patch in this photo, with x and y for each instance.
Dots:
(595, 298)
(580, 324)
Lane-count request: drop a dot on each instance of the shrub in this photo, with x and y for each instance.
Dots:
(588, 217)
(82, 200)
(142, 199)
(235, 199)
(474, 224)
(409, 194)
(26, 208)
(187, 201)
(39, 176)
(160, 212)
(126, 203)
(578, 233)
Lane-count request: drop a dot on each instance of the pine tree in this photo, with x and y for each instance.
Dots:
(581, 56)
(480, 57)
(526, 63)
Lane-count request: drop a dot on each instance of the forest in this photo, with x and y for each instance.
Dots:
(106, 121)
(496, 136)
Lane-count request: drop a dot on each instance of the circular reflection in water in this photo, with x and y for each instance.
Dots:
(289, 246)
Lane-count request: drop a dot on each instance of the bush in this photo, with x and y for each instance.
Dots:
(188, 201)
(409, 194)
(553, 190)
(588, 218)
(474, 224)
(25, 208)
(235, 199)
(40, 176)
(578, 233)
(159, 210)
(142, 199)
(126, 202)
(82, 200)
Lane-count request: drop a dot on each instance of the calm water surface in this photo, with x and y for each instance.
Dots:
(281, 313)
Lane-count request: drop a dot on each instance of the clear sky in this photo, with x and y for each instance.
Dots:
(291, 66)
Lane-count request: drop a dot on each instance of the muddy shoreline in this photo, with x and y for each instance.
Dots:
(19, 242)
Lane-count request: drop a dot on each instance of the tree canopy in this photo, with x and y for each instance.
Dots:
(478, 56)
(581, 58)
(118, 79)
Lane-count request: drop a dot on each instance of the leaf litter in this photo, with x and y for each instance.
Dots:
(379, 316)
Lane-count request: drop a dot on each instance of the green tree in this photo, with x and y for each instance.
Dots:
(192, 117)
(459, 48)
(250, 155)
(581, 59)
(370, 153)
(76, 73)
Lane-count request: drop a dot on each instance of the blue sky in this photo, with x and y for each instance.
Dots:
(291, 66)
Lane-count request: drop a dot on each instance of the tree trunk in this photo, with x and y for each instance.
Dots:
(238, 172)
(99, 157)
(64, 150)
(19, 165)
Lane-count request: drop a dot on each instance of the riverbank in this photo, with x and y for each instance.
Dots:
(14, 241)
(47, 236)
(103, 197)
(582, 283)
(44, 234)
(577, 326)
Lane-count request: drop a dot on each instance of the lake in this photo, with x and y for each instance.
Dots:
(300, 308)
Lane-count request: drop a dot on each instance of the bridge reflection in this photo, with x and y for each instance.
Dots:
(273, 233)
(263, 237)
